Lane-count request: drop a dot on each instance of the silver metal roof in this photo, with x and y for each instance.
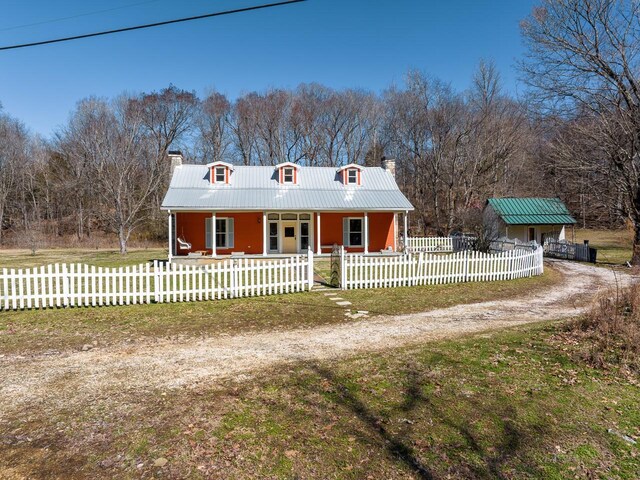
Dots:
(257, 188)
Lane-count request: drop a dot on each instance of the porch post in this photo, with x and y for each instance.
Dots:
(318, 239)
(395, 231)
(406, 224)
(366, 233)
(170, 238)
(264, 234)
(213, 235)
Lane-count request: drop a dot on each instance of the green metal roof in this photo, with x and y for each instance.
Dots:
(532, 211)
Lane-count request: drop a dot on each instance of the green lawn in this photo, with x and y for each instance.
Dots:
(515, 404)
(614, 246)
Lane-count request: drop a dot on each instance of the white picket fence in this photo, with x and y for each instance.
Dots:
(429, 244)
(361, 271)
(76, 285)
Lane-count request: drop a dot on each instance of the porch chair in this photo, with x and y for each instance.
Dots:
(183, 244)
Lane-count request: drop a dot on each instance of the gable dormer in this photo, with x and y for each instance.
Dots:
(219, 172)
(287, 173)
(351, 174)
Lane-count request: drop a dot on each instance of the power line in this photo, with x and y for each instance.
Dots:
(151, 25)
(60, 19)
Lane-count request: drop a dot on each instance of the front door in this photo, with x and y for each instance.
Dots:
(289, 237)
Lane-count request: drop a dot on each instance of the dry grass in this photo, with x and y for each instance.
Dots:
(609, 335)
(614, 246)
(20, 258)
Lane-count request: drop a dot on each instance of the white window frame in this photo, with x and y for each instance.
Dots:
(229, 234)
(216, 170)
(355, 177)
(347, 235)
(284, 175)
(277, 235)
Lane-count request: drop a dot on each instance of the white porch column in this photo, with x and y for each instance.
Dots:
(318, 239)
(213, 235)
(170, 238)
(395, 232)
(406, 227)
(265, 247)
(366, 233)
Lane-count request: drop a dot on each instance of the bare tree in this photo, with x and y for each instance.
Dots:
(583, 61)
(13, 155)
(213, 124)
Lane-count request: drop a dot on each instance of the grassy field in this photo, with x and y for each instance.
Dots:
(12, 258)
(614, 246)
(515, 404)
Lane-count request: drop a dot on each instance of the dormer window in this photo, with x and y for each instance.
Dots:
(287, 175)
(351, 174)
(219, 172)
(220, 175)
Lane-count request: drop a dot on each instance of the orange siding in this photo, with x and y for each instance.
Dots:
(380, 230)
(247, 227)
(190, 226)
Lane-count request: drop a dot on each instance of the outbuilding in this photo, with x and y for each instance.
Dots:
(527, 219)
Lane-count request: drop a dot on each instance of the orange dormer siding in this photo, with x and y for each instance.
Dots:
(281, 175)
(228, 168)
(345, 176)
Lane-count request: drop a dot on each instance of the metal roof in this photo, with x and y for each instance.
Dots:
(532, 211)
(257, 188)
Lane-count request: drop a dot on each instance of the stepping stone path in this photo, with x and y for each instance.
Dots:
(345, 303)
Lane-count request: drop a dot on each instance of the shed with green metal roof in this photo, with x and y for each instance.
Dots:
(527, 219)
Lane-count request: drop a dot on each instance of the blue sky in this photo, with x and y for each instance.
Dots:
(350, 43)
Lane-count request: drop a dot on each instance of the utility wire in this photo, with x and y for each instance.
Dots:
(151, 25)
(54, 20)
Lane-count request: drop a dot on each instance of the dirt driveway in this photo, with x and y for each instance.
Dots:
(77, 377)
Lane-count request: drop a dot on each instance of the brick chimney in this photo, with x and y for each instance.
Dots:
(175, 157)
(389, 165)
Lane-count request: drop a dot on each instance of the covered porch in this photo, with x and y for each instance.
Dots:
(203, 236)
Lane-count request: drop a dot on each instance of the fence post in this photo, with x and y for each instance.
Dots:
(310, 268)
(65, 285)
(156, 282)
(234, 278)
(465, 275)
(343, 271)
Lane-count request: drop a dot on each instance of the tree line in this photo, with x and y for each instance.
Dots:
(574, 135)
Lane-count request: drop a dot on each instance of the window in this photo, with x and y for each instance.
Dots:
(352, 176)
(220, 175)
(287, 175)
(224, 233)
(273, 216)
(304, 236)
(289, 232)
(273, 236)
(289, 216)
(352, 232)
